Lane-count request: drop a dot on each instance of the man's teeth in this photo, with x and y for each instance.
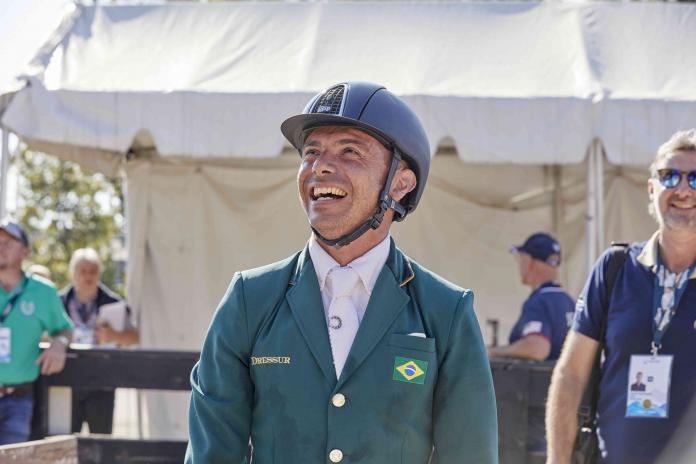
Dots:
(319, 192)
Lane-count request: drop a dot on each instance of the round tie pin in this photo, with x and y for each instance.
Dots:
(335, 322)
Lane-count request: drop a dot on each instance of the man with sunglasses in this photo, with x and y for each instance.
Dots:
(650, 326)
(348, 351)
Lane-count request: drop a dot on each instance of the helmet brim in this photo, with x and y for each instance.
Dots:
(297, 128)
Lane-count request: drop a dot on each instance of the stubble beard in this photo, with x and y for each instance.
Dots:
(673, 222)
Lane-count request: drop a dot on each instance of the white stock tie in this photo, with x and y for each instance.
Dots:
(343, 317)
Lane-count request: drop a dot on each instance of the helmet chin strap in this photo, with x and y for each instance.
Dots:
(385, 202)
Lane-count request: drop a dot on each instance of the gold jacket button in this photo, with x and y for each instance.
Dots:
(336, 455)
(338, 400)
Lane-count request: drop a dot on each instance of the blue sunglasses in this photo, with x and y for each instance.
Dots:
(670, 178)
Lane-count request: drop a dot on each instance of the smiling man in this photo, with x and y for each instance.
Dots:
(348, 351)
(650, 325)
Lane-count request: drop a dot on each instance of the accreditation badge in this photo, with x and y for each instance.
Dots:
(649, 378)
(5, 345)
(83, 334)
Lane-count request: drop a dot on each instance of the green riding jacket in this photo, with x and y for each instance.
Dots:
(266, 374)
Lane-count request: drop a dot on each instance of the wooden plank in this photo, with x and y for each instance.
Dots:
(126, 368)
(95, 449)
(59, 449)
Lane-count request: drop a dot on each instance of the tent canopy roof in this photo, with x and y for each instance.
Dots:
(507, 82)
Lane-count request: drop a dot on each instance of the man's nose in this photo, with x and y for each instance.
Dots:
(683, 185)
(324, 164)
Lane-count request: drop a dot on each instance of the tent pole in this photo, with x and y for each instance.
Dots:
(590, 218)
(557, 199)
(599, 170)
(4, 167)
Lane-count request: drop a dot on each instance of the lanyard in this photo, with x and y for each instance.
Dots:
(669, 289)
(13, 299)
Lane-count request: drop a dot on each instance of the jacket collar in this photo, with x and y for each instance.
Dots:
(389, 297)
(398, 263)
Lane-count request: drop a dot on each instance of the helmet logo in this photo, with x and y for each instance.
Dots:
(331, 101)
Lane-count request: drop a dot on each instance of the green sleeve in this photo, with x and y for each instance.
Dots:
(57, 320)
(222, 393)
(465, 423)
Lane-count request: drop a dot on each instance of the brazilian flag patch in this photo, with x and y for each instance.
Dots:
(410, 370)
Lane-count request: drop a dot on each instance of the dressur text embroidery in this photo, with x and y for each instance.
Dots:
(270, 360)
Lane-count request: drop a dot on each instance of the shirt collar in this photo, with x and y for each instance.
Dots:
(648, 256)
(368, 266)
(550, 283)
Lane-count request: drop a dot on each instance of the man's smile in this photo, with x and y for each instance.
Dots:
(327, 193)
(683, 206)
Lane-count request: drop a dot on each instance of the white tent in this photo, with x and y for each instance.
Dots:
(187, 100)
(24, 27)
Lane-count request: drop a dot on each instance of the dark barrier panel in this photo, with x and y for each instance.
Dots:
(97, 449)
(520, 392)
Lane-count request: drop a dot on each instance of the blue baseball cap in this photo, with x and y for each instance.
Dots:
(542, 247)
(15, 230)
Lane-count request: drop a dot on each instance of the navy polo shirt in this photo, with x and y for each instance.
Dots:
(629, 331)
(547, 312)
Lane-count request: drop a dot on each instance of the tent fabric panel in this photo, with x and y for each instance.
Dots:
(509, 130)
(632, 130)
(544, 130)
(643, 52)
(516, 82)
(238, 47)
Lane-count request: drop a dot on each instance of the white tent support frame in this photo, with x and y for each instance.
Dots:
(4, 168)
(594, 222)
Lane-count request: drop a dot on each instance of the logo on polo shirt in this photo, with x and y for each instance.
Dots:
(410, 370)
(532, 327)
(27, 307)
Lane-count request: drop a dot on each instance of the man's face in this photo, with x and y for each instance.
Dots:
(86, 276)
(524, 265)
(675, 208)
(12, 252)
(341, 175)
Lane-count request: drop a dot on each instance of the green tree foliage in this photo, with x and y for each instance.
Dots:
(65, 207)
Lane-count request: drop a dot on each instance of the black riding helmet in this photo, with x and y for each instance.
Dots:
(375, 110)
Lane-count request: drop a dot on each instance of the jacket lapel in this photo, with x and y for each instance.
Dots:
(388, 299)
(304, 299)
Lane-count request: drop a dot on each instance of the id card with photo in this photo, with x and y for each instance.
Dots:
(5, 345)
(648, 384)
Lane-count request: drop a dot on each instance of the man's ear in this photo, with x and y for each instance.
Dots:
(404, 181)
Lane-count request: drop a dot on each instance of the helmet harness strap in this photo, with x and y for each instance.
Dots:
(385, 202)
